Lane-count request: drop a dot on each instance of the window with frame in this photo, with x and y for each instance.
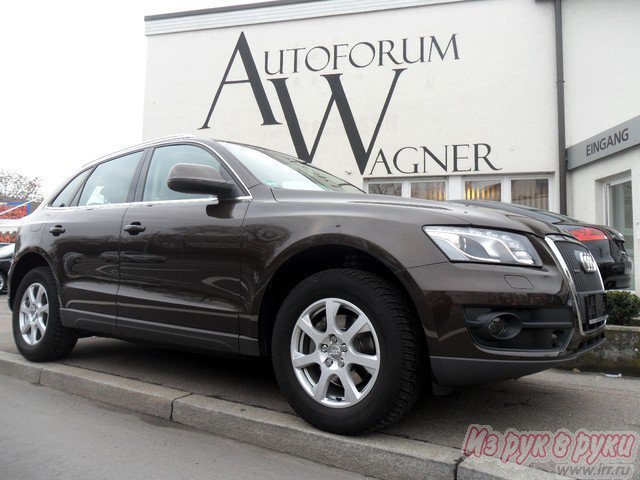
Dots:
(429, 190)
(110, 181)
(531, 192)
(65, 197)
(163, 160)
(386, 188)
(483, 190)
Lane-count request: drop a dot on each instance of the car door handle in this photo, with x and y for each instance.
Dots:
(57, 230)
(134, 228)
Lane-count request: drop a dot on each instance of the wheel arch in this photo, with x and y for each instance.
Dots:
(23, 265)
(312, 259)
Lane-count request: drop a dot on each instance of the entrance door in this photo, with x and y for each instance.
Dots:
(620, 213)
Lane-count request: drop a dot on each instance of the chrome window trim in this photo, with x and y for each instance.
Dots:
(157, 143)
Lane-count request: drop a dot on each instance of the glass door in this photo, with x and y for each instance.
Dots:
(620, 213)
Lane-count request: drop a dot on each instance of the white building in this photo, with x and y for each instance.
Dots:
(438, 99)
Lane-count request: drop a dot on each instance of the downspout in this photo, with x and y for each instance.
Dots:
(562, 157)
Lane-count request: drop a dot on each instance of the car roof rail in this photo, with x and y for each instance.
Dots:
(149, 143)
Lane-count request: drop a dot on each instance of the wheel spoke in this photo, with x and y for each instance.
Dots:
(32, 295)
(33, 333)
(41, 326)
(320, 389)
(370, 362)
(301, 360)
(307, 327)
(361, 323)
(42, 309)
(40, 293)
(331, 310)
(24, 328)
(24, 309)
(351, 393)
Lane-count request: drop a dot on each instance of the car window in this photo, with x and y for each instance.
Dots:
(164, 158)
(65, 197)
(279, 170)
(110, 181)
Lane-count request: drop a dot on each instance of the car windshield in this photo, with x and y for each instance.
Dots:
(278, 170)
(6, 250)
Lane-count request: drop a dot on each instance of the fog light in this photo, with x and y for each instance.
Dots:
(497, 326)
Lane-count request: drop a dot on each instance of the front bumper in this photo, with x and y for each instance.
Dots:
(448, 294)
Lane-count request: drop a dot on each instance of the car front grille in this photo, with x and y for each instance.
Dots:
(590, 293)
(584, 282)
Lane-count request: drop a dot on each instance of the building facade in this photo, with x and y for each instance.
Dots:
(434, 99)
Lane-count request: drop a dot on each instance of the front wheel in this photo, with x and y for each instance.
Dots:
(37, 328)
(3, 282)
(347, 352)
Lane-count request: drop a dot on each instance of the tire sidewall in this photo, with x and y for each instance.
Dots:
(43, 347)
(376, 404)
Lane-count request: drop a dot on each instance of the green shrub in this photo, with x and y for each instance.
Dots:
(623, 306)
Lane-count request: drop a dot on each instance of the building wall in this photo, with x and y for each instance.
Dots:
(487, 109)
(602, 65)
(602, 73)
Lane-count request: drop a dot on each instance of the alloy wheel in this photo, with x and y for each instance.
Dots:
(34, 314)
(335, 353)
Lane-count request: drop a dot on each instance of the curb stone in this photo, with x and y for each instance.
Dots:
(493, 469)
(134, 395)
(377, 455)
(15, 366)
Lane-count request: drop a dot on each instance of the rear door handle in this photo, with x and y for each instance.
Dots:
(57, 230)
(134, 228)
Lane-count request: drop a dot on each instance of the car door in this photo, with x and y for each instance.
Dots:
(180, 259)
(82, 238)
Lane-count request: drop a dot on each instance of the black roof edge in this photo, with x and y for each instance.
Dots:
(230, 8)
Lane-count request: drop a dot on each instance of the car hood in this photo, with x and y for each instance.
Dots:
(428, 212)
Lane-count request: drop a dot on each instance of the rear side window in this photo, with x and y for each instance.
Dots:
(65, 197)
(110, 181)
(164, 158)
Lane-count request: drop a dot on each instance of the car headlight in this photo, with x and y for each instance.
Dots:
(467, 244)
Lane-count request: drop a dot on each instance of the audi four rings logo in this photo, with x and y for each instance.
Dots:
(587, 262)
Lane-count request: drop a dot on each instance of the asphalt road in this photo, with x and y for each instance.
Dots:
(545, 401)
(49, 435)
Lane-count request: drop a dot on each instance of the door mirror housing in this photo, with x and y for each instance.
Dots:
(194, 178)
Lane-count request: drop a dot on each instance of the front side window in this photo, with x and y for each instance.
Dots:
(164, 158)
(65, 197)
(110, 181)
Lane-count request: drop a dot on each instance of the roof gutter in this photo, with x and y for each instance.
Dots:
(562, 155)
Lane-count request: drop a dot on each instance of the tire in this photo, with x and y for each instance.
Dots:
(40, 337)
(382, 393)
(3, 282)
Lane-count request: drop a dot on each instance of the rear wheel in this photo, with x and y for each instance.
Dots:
(347, 351)
(37, 328)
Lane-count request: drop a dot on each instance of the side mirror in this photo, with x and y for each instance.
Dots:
(194, 178)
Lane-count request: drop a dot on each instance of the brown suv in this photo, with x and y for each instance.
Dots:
(358, 299)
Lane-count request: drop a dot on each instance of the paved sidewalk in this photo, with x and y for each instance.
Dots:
(545, 401)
